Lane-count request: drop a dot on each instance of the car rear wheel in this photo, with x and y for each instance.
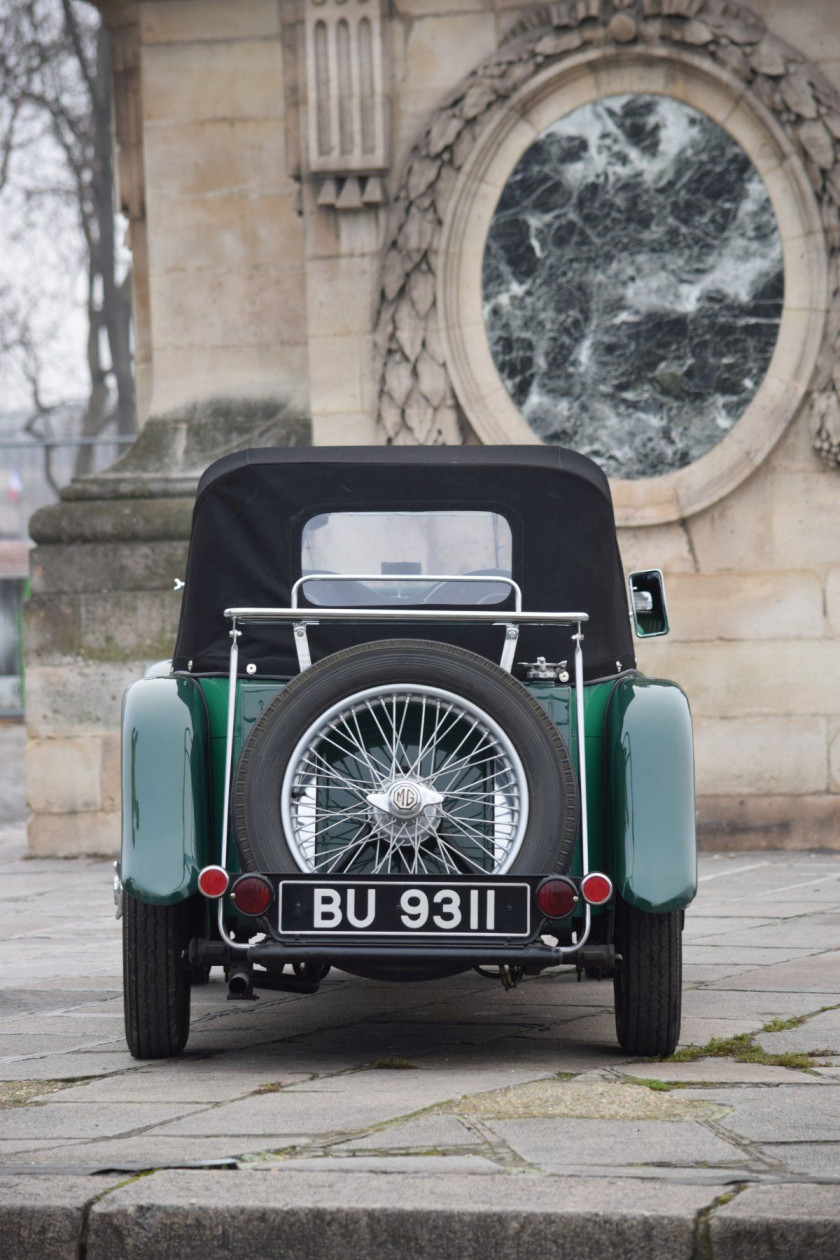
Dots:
(156, 978)
(648, 980)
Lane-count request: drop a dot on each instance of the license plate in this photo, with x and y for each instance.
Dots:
(404, 908)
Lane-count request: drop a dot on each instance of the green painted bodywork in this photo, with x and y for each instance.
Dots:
(166, 827)
(559, 703)
(640, 781)
(650, 793)
(251, 700)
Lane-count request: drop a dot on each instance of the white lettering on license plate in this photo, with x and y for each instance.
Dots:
(411, 907)
(417, 909)
(328, 909)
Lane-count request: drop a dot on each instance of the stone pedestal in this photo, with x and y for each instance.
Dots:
(103, 608)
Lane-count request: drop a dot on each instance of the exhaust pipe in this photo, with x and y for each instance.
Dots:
(241, 983)
(286, 984)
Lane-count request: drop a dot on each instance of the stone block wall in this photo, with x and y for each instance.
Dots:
(753, 587)
(102, 609)
(259, 280)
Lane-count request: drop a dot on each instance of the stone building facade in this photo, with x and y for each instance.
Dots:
(311, 186)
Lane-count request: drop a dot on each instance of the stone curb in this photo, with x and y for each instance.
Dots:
(45, 1217)
(271, 1213)
(779, 1220)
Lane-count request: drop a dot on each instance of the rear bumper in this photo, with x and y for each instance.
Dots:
(291, 934)
(534, 956)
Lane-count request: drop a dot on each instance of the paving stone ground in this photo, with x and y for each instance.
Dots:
(12, 785)
(445, 1118)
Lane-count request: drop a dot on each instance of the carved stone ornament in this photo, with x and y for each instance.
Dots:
(417, 403)
(346, 118)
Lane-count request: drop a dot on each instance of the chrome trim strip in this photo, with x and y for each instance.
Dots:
(241, 946)
(581, 730)
(462, 616)
(584, 814)
(232, 678)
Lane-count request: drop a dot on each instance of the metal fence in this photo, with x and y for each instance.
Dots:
(30, 471)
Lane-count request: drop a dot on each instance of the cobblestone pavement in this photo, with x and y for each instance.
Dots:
(12, 784)
(453, 1100)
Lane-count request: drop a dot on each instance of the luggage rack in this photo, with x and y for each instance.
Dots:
(433, 616)
(510, 620)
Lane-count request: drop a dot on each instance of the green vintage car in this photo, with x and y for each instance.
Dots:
(403, 734)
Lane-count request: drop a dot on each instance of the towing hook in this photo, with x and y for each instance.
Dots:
(509, 976)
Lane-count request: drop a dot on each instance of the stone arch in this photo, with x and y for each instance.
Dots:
(417, 400)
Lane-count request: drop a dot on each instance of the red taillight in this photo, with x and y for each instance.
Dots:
(596, 888)
(557, 897)
(213, 881)
(252, 894)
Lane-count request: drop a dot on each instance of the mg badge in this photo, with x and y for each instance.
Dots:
(405, 799)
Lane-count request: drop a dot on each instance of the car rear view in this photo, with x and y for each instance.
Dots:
(403, 734)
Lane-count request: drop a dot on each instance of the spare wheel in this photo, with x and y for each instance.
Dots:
(405, 757)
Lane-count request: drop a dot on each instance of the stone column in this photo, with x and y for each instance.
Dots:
(208, 182)
(225, 253)
(339, 58)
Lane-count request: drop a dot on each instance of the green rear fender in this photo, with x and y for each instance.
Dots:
(166, 837)
(650, 793)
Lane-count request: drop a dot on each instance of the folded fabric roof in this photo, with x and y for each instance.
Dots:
(251, 507)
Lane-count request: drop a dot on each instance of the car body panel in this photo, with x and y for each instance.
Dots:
(650, 793)
(640, 781)
(166, 819)
(558, 702)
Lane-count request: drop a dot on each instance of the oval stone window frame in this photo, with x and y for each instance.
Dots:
(543, 100)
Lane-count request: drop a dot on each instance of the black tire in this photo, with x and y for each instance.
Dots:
(648, 980)
(552, 785)
(156, 978)
(200, 974)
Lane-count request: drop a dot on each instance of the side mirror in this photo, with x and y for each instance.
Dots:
(647, 603)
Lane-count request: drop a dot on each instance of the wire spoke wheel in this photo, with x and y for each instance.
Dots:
(406, 779)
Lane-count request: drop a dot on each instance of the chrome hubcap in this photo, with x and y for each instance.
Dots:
(406, 811)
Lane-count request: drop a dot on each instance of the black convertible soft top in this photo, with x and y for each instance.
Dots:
(251, 508)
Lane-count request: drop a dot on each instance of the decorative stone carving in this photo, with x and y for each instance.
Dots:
(346, 120)
(413, 410)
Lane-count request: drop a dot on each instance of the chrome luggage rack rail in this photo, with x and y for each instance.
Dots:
(511, 620)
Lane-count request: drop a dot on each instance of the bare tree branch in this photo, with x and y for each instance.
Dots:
(55, 96)
(72, 27)
(8, 143)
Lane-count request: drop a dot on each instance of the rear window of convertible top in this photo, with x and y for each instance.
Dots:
(412, 551)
